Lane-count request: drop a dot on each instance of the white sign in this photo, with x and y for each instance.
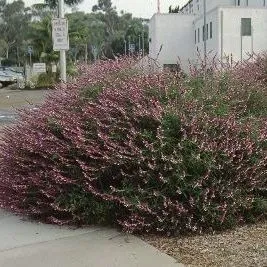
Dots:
(60, 34)
(54, 68)
(132, 48)
(39, 67)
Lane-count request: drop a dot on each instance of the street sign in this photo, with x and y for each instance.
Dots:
(30, 50)
(60, 34)
(39, 67)
(132, 48)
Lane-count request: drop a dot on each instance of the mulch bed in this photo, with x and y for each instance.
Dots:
(245, 246)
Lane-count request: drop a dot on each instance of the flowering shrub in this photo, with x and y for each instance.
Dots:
(147, 152)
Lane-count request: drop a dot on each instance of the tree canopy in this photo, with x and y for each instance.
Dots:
(53, 3)
(102, 33)
(175, 9)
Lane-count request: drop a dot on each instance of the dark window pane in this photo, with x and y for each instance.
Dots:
(211, 30)
(246, 26)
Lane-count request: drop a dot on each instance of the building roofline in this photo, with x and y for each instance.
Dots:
(172, 14)
(200, 16)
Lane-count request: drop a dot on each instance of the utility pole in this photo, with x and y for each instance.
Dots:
(205, 37)
(62, 63)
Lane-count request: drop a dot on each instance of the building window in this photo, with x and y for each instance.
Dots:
(247, 2)
(203, 33)
(207, 32)
(238, 2)
(191, 8)
(246, 26)
(198, 35)
(195, 36)
(211, 33)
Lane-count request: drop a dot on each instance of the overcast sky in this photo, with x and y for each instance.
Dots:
(139, 8)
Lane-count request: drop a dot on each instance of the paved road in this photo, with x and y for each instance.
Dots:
(10, 100)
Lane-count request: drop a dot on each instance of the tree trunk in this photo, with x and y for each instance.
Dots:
(18, 58)
(7, 52)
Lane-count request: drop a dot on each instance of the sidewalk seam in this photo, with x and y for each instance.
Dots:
(43, 242)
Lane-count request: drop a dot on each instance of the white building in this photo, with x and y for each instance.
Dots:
(234, 29)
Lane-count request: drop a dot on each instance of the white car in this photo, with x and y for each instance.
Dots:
(10, 76)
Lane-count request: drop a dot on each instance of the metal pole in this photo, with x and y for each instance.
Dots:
(125, 47)
(222, 38)
(62, 62)
(205, 36)
(139, 45)
(129, 44)
(143, 43)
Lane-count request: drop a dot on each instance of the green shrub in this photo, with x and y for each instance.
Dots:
(46, 80)
(150, 153)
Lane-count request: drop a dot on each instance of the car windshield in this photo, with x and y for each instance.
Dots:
(9, 69)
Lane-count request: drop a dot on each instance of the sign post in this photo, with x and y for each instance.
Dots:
(30, 50)
(61, 39)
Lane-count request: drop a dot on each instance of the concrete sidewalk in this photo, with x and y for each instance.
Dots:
(28, 244)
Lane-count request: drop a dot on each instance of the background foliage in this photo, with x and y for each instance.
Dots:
(101, 33)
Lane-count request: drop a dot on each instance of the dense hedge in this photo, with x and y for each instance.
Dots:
(156, 152)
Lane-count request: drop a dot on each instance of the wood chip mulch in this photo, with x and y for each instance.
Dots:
(245, 246)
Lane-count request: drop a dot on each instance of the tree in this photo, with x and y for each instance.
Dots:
(40, 37)
(3, 47)
(40, 11)
(103, 5)
(174, 10)
(54, 3)
(118, 28)
(15, 19)
(2, 6)
(86, 31)
(101, 33)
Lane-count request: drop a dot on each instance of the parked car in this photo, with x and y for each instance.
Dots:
(10, 76)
